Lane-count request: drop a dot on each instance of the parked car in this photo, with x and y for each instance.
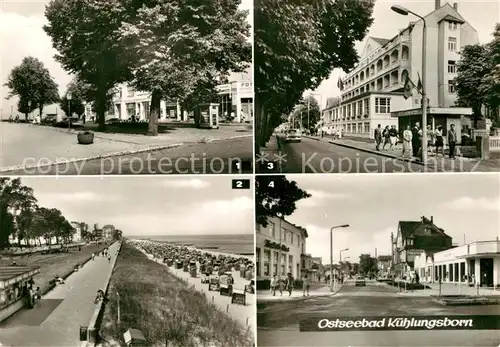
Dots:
(113, 121)
(293, 135)
(360, 281)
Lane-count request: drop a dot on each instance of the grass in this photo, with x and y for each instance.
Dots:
(60, 264)
(164, 308)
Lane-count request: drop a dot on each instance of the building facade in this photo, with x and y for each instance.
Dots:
(413, 238)
(77, 235)
(235, 99)
(280, 249)
(477, 263)
(384, 264)
(372, 92)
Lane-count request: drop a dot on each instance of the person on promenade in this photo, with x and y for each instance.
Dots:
(93, 256)
(305, 286)
(387, 136)
(272, 287)
(416, 139)
(289, 284)
(109, 258)
(38, 296)
(378, 137)
(431, 139)
(393, 135)
(439, 140)
(407, 140)
(452, 141)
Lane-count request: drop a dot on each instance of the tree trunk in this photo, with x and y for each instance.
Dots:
(26, 116)
(257, 124)
(101, 110)
(40, 111)
(154, 113)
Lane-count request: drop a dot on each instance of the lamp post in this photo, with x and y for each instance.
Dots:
(404, 11)
(68, 97)
(29, 111)
(331, 251)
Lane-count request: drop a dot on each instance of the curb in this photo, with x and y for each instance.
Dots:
(470, 302)
(228, 138)
(102, 156)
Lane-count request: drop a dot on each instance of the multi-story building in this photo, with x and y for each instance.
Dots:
(317, 270)
(235, 99)
(280, 249)
(372, 92)
(384, 264)
(413, 238)
(477, 263)
(108, 231)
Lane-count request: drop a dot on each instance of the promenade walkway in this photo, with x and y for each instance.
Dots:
(57, 319)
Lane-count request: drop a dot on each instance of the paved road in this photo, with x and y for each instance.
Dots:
(208, 158)
(312, 156)
(57, 320)
(278, 322)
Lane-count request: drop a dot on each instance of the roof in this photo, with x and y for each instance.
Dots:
(407, 227)
(451, 18)
(379, 40)
(384, 257)
(10, 272)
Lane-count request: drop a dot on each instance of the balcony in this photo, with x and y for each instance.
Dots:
(395, 65)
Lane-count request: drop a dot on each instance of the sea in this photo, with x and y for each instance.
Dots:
(235, 244)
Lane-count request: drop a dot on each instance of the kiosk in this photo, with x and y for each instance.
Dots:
(14, 281)
(207, 116)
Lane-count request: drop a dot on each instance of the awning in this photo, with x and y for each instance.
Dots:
(434, 111)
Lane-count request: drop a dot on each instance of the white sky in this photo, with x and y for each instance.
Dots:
(463, 205)
(21, 35)
(150, 205)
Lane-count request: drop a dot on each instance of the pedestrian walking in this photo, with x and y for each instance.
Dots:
(109, 258)
(289, 284)
(393, 136)
(416, 139)
(38, 296)
(386, 136)
(431, 139)
(439, 140)
(273, 285)
(407, 141)
(452, 141)
(305, 286)
(93, 256)
(378, 137)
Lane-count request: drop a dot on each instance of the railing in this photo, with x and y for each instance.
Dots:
(495, 144)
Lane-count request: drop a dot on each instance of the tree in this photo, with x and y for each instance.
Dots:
(34, 86)
(473, 66)
(276, 195)
(307, 112)
(79, 94)
(182, 48)
(367, 265)
(490, 84)
(86, 35)
(297, 45)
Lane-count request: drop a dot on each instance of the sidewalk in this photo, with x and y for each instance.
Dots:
(323, 290)
(435, 163)
(29, 145)
(450, 289)
(57, 320)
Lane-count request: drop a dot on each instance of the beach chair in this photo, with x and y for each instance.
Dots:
(238, 297)
(214, 284)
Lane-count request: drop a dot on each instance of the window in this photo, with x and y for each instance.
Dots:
(452, 44)
(272, 230)
(366, 127)
(258, 261)
(354, 113)
(451, 87)
(360, 107)
(367, 106)
(267, 258)
(382, 105)
(130, 91)
(291, 238)
(452, 66)
(452, 25)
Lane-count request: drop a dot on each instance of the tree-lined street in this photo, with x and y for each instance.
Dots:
(278, 321)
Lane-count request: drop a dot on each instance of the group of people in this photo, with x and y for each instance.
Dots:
(412, 139)
(288, 285)
(104, 253)
(32, 295)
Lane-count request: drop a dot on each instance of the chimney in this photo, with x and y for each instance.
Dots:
(437, 4)
(455, 6)
(432, 219)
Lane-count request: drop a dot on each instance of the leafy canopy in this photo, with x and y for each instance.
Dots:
(276, 195)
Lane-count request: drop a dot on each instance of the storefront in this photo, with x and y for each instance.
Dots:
(477, 263)
(13, 283)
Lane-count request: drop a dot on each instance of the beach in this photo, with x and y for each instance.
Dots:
(244, 314)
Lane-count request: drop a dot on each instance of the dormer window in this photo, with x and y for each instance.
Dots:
(428, 230)
(452, 26)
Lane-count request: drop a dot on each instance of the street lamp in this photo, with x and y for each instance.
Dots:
(68, 97)
(331, 251)
(404, 11)
(345, 249)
